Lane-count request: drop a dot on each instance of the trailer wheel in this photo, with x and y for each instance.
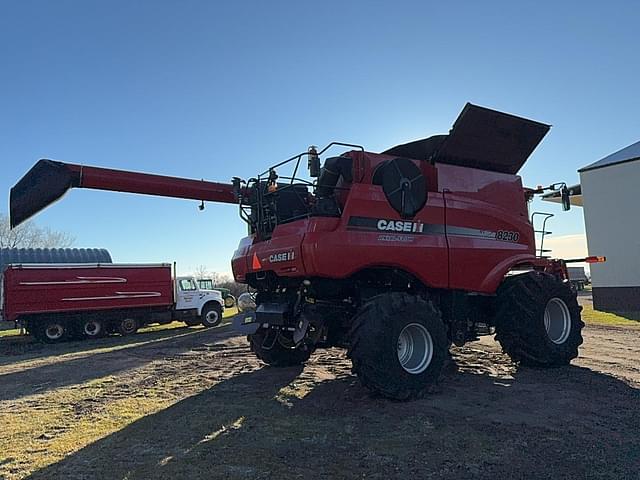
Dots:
(277, 353)
(211, 314)
(92, 328)
(538, 320)
(398, 345)
(52, 331)
(127, 326)
(230, 301)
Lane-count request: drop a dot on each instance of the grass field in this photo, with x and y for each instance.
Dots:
(589, 315)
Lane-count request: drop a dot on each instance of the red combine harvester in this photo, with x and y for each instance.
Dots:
(393, 255)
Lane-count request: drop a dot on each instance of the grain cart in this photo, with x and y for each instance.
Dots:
(393, 256)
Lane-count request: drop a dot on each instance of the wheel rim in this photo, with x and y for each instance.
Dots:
(92, 328)
(415, 348)
(211, 317)
(557, 321)
(128, 325)
(54, 331)
(229, 302)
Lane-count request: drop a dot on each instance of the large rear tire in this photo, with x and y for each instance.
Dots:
(538, 320)
(277, 355)
(398, 345)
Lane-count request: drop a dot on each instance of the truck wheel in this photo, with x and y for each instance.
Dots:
(398, 345)
(211, 315)
(52, 331)
(127, 326)
(92, 328)
(278, 355)
(230, 302)
(538, 320)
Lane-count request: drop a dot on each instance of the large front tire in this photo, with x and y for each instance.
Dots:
(275, 353)
(538, 320)
(398, 345)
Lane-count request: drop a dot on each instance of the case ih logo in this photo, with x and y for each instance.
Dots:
(399, 226)
(282, 257)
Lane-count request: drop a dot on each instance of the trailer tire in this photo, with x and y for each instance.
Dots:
(127, 326)
(52, 331)
(92, 328)
(278, 355)
(398, 345)
(211, 314)
(538, 320)
(230, 301)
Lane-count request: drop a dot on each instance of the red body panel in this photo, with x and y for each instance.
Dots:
(475, 227)
(485, 202)
(30, 289)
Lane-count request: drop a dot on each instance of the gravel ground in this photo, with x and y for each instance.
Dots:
(194, 403)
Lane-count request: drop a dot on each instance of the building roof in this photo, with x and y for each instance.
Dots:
(53, 255)
(627, 154)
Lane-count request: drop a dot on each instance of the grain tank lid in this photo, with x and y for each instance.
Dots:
(480, 138)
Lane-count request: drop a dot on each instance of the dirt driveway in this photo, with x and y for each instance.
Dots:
(194, 403)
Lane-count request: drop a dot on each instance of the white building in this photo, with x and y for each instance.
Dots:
(609, 189)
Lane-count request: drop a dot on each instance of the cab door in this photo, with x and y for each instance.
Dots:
(187, 294)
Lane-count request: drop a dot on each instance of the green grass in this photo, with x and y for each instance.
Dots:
(591, 316)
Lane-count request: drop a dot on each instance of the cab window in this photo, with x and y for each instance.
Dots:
(187, 285)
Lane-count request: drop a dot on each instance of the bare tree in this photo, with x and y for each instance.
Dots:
(202, 272)
(29, 235)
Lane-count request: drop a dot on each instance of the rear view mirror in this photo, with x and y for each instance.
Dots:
(566, 198)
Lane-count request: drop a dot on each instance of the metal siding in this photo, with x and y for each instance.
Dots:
(611, 224)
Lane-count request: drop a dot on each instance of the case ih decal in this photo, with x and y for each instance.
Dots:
(282, 257)
(409, 228)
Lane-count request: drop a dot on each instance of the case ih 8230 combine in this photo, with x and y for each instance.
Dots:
(393, 255)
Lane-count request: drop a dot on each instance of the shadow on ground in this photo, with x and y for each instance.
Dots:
(569, 422)
(129, 353)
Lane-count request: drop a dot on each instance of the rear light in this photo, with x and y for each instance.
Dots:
(595, 259)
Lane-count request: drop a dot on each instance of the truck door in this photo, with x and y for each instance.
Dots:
(187, 294)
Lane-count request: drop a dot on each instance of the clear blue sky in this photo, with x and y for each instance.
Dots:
(212, 90)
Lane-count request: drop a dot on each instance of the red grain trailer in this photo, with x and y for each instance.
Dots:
(56, 301)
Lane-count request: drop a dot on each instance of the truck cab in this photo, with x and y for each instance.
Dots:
(207, 305)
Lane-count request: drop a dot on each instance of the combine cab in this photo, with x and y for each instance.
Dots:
(393, 256)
